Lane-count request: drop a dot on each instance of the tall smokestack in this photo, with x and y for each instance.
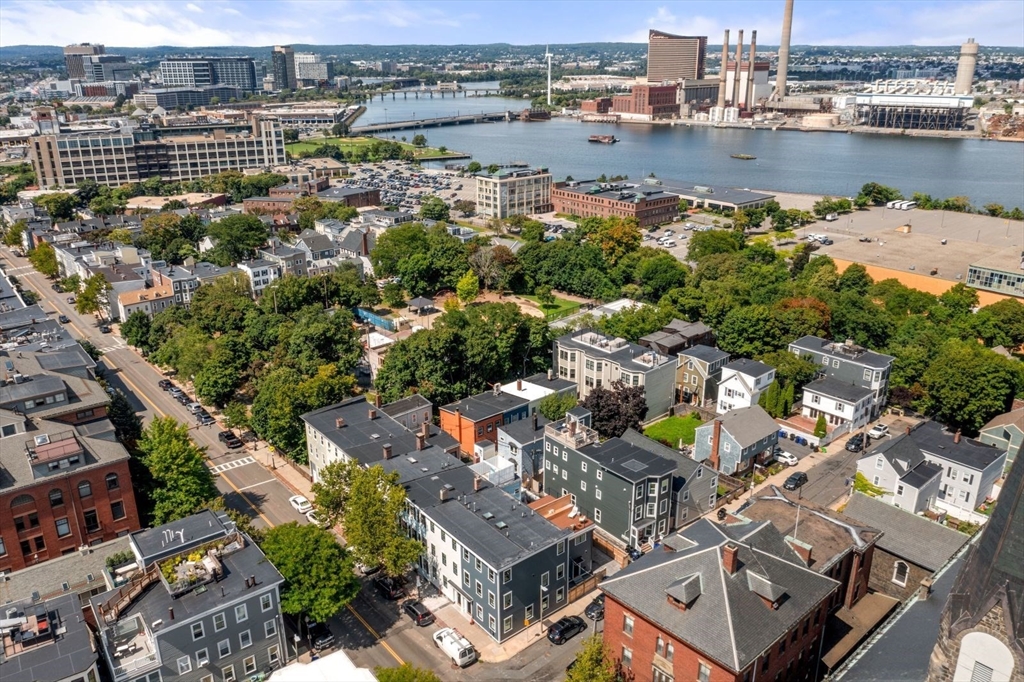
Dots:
(721, 73)
(787, 31)
(736, 71)
(964, 84)
(749, 99)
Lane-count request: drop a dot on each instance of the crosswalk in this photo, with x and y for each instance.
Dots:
(111, 343)
(233, 464)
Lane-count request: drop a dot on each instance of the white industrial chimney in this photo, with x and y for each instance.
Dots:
(965, 68)
(721, 73)
(787, 31)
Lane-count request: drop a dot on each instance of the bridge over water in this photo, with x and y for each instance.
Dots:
(436, 122)
(430, 93)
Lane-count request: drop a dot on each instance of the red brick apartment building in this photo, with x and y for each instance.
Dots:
(718, 604)
(656, 101)
(649, 205)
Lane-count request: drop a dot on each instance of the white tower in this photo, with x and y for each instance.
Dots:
(547, 53)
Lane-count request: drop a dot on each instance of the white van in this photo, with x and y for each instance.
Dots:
(669, 243)
(455, 646)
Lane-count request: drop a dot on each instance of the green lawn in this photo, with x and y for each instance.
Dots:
(670, 430)
(559, 308)
(347, 144)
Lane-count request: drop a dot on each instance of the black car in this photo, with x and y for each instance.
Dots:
(205, 419)
(565, 629)
(389, 588)
(855, 443)
(595, 609)
(229, 439)
(105, 328)
(63, 319)
(795, 481)
(419, 613)
(164, 384)
(56, 287)
(320, 635)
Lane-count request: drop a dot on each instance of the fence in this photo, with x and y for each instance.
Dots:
(683, 409)
(734, 488)
(375, 319)
(578, 590)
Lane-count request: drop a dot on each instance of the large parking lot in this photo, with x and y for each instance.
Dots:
(404, 185)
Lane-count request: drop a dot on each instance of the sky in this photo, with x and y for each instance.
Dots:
(195, 23)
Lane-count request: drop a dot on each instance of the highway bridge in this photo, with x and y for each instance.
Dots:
(432, 122)
(429, 93)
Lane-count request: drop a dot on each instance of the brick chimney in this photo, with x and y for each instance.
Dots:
(519, 384)
(387, 450)
(339, 422)
(534, 421)
(956, 436)
(477, 483)
(372, 414)
(551, 374)
(716, 437)
(421, 442)
(366, 243)
(425, 429)
(376, 401)
(730, 560)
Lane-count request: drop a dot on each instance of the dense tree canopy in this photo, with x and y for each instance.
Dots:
(182, 481)
(616, 408)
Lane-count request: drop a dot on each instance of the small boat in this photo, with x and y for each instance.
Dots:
(743, 157)
(604, 139)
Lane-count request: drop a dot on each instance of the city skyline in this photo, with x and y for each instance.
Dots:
(208, 23)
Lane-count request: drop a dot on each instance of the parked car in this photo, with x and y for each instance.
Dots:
(300, 504)
(419, 613)
(389, 588)
(455, 646)
(314, 519)
(320, 635)
(63, 319)
(795, 481)
(104, 328)
(787, 458)
(229, 439)
(71, 300)
(595, 609)
(565, 629)
(165, 384)
(855, 443)
(878, 431)
(56, 287)
(205, 419)
(194, 408)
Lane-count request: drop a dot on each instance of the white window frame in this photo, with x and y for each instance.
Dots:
(266, 602)
(628, 623)
(600, 474)
(228, 672)
(246, 669)
(583, 486)
(202, 630)
(184, 665)
(244, 611)
(242, 636)
(221, 645)
(270, 627)
(597, 493)
(506, 624)
(896, 571)
(202, 658)
(274, 655)
(223, 621)
(583, 467)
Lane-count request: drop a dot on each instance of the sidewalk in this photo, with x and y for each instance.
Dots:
(284, 472)
(490, 651)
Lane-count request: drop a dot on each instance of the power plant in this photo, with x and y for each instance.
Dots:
(741, 84)
(783, 70)
(964, 84)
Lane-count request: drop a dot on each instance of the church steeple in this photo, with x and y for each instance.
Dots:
(982, 627)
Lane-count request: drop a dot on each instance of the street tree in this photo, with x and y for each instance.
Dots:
(93, 297)
(127, 424)
(406, 672)
(468, 287)
(372, 521)
(44, 259)
(434, 208)
(465, 207)
(616, 408)
(593, 662)
(136, 330)
(473, 167)
(319, 574)
(12, 235)
(178, 467)
(236, 415)
(331, 491)
(554, 406)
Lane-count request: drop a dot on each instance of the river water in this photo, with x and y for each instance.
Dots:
(814, 163)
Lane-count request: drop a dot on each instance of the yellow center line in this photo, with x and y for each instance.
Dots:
(374, 633)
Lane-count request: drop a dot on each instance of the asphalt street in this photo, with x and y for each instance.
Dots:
(370, 630)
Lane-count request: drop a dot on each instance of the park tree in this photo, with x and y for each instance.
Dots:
(967, 384)
(468, 287)
(434, 208)
(372, 521)
(127, 424)
(44, 259)
(93, 296)
(319, 574)
(181, 478)
(705, 244)
(554, 406)
(60, 205)
(419, 140)
(879, 195)
(473, 167)
(397, 245)
(616, 408)
(393, 295)
(406, 672)
(593, 663)
(617, 237)
(545, 296)
(1001, 323)
(238, 237)
(465, 207)
(136, 330)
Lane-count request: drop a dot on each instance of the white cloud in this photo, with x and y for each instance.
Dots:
(194, 8)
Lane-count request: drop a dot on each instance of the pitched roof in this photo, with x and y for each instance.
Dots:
(909, 536)
(1014, 418)
(843, 351)
(485, 405)
(727, 621)
(932, 438)
(705, 353)
(406, 404)
(749, 367)
(834, 388)
(747, 425)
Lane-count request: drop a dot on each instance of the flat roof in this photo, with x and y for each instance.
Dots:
(718, 193)
(53, 657)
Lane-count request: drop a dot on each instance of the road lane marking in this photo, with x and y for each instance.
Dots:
(269, 480)
(373, 632)
(232, 464)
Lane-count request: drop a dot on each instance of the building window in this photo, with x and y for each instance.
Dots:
(627, 657)
(244, 640)
(545, 578)
(219, 622)
(583, 486)
(202, 658)
(899, 490)
(270, 627)
(652, 488)
(479, 589)
(3, 548)
(184, 665)
(224, 648)
(84, 489)
(266, 602)
(560, 549)
(597, 515)
(900, 572)
(597, 493)
(117, 510)
(703, 672)
(559, 571)
(506, 575)
(639, 492)
(465, 578)
(229, 673)
(670, 651)
(241, 613)
(92, 521)
(56, 497)
(490, 599)
(559, 594)
(506, 600)
(875, 480)
(600, 474)
(506, 624)
(583, 467)
(63, 528)
(249, 665)
(627, 625)
(112, 482)
(274, 655)
(659, 646)
(197, 631)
